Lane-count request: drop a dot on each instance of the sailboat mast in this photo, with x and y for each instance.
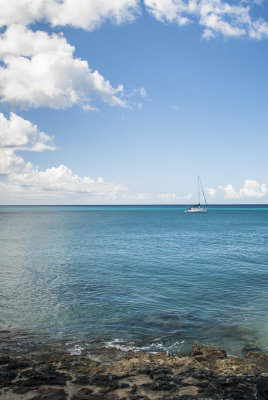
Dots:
(203, 193)
(198, 185)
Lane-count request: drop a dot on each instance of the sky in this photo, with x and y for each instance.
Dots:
(128, 101)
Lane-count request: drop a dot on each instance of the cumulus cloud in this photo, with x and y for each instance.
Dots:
(250, 189)
(40, 70)
(227, 18)
(215, 16)
(57, 184)
(85, 14)
(188, 196)
(22, 178)
(62, 179)
(168, 197)
(19, 134)
(211, 192)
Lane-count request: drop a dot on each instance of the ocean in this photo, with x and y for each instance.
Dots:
(149, 278)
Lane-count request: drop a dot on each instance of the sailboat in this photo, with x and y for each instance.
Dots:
(196, 208)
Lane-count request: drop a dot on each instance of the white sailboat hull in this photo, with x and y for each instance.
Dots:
(196, 210)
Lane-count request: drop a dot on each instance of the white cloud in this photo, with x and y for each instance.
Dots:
(10, 162)
(216, 16)
(40, 70)
(227, 18)
(168, 197)
(250, 189)
(24, 181)
(188, 196)
(142, 196)
(18, 134)
(57, 184)
(85, 14)
(211, 192)
(62, 179)
(143, 92)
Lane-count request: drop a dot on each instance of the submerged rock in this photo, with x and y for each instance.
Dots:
(205, 353)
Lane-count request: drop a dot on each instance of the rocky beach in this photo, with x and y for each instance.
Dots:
(207, 373)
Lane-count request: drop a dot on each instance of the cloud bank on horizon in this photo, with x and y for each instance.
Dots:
(39, 69)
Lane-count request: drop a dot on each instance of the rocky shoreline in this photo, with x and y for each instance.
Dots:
(208, 373)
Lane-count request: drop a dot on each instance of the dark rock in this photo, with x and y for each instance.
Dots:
(4, 360)
(251, 349)
(235, 388)
(133, 389)
(50, 394)
(86, 394)
(182, 397)
(122, 385)
(22, 389)
(255, 354)
(102, 380)
(18, 365)
(205, 353)
(262, 388)
(7, 375)
(160, 373)
(82, 394)
(201, 374)
(160, 386)
(47, 375)
(81, 380)
(136, 397)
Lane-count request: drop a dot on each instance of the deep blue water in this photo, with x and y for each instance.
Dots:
(153, 277)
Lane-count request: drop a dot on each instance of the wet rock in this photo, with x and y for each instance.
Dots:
(87, 394)
(183, 397)
(234, 388)
(114, 386)
(136, 397)
(255, 354)
(160, 386)
(102, 380)
(133, 389)
(262, 388)
(122, 385)
(7, 375)
(4, 360)
(139, 377)
(82, 394)
(47, 375)
(81, 380)
(22, 389)
(251, 349)
(205, 353)
(50, 394)
(160, 373)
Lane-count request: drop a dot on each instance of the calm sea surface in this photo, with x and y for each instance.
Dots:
(153, 278)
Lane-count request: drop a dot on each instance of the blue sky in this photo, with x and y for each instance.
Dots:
(181, 89)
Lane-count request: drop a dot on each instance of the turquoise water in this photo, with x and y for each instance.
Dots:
(153, 278)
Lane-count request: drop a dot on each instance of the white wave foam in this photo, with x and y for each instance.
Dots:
(119, 344)
(75, 350)
(153, 348)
